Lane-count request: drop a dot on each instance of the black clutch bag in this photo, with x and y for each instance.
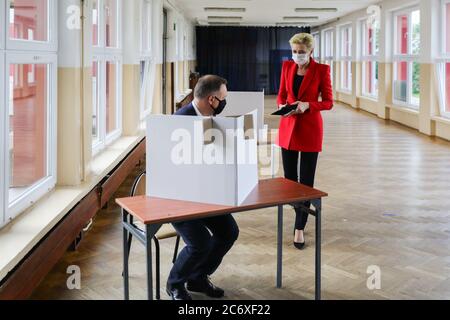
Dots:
(285, 110)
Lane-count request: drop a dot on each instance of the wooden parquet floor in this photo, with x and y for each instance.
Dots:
(389, 206)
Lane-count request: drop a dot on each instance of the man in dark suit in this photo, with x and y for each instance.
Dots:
(207, 240)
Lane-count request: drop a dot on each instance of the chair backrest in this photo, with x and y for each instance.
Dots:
(138, 188)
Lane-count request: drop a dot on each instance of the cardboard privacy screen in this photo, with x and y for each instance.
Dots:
(201, 159)
(240, 103)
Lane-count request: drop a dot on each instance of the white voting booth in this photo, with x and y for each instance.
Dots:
(239, 103)
(201, 159)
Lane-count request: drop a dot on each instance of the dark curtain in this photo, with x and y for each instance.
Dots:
(250, 58)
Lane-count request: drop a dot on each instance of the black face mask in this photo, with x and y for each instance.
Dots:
(220, 107)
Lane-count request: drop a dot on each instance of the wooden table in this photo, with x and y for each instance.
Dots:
(154, 212)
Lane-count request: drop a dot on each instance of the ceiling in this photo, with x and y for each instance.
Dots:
(269, 12)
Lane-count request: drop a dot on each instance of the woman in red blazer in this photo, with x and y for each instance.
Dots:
(303, 82)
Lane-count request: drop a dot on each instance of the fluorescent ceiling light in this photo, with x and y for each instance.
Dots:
(301, 18)
(316, 9)
(221, 9)
(224, 18)
(218, 23)
(292, 24)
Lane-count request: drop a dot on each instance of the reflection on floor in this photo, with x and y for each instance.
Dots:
(388, 207)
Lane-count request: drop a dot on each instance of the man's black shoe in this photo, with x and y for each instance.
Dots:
(205, 286)
(178, 292)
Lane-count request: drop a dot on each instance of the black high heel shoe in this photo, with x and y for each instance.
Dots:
(299, 245)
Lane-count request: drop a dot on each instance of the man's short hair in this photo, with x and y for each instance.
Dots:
(208, 85)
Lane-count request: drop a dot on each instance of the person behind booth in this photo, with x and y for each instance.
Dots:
(303, 83)
(207, 240)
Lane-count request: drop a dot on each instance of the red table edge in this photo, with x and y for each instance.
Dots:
(221, 209)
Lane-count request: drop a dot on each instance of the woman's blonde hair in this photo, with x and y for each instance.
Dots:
(303, 38)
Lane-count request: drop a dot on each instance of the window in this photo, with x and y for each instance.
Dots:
(444, 65)
(446, 25)
(95, 102)
(95, 23)
(29, 25)
(106, 73)
(406, 86)
(28, 61)
(178, 58)
(369, 56)
(328, 50)
(316, 53)
(112, 79)
(29, 123)
(146, 27)
(3, 26)
(3, 114)
(148, 66)
(346, 57)
(148, 69)
(112, 21)
(106, 25)
(106, 100)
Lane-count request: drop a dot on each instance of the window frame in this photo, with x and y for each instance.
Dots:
(444, 53)
(178, 58)
(118, 48)
(327, 58)
(102, 54)
(441, 68)
(409, 58)
(26, 45)
(147, 58)
(443, 61)
(3, 27)
(114, 135)
(366, 58)
(98, 143)
(100, 35)
(148, 80)
(101, 48)
(317, 50)
(105, 139)
(36, 191)
(185, 58)
(146, 23)
(2, 134)
(346, 60)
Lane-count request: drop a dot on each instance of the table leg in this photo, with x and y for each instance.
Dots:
(272, 161)
(148, 249)
(125, 257)
(280, 247)
(318, 206)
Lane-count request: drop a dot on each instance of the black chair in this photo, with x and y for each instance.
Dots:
(165, 232)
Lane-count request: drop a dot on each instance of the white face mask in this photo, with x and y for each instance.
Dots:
(300, 58)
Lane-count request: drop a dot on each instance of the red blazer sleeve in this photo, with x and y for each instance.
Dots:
(327, 93)
(282, 92)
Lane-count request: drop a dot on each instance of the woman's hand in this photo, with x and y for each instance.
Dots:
(301, 108)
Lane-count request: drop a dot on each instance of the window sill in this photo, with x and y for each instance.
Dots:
(21, 235)
(441, 119)
(370, 98)
(342, 91)
(182, 96)
(409, 110)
